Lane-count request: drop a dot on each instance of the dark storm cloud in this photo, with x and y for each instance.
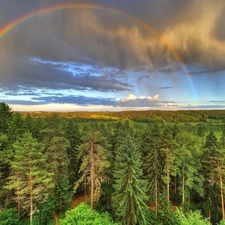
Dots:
(72, 34)
(194, 28)
(49, 76)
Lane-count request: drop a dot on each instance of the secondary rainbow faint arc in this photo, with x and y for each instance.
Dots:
(5, 29)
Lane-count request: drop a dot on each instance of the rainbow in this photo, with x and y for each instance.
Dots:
(5, 29)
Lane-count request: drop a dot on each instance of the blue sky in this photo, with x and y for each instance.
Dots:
(99, 60)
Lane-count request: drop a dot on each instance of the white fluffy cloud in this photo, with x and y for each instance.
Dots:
(131, 101)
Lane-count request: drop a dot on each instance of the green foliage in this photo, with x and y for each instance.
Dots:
(62, 194)
(83, 215)
(174, 162)
(46, 210)
(5, 114)
(222, 222)
(73, 135)
(188, 165)
(9, 217)
(56, 146)
(95, 164)
(153, 162)
(165, 215)
(129, 196)
(191, 218)
(29, 179)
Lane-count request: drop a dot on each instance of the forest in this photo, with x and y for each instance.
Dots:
(125, 168)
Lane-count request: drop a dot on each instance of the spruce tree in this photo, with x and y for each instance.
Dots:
(130, 189)
(73, 135)
(56, 146)
(213, 164)
(153, 163)
(5, 115)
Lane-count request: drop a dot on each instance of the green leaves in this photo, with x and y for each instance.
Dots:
(83, 215)
(9, 217)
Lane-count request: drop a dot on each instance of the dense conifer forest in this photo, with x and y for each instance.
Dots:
(133, 167)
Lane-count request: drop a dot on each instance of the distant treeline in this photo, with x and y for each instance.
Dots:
(142, 116)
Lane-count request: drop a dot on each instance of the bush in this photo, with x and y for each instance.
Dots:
(9, 217)
(83, 215)
(191, 218)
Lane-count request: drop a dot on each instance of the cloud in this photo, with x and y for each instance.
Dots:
(36, 73)
(98, 51)
(133, 101)
(166, 87)
(119, 42)
(196, 35)
(71, 99)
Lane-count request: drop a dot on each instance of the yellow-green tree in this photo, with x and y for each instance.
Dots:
(29, 178)
(95, 163)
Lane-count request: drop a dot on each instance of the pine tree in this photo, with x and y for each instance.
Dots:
(95, 163)
(29, 178)
(130, 189)
(4, 169)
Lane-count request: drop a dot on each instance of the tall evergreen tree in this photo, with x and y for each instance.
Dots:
(130, 189)
(5, 115)
(188, 165)
(73, 135)
(153, 163)
(16, 127)
(212, 168)
(6, 153)
(95, 163)
(168, 146)
(29, 177)
(56, 146)
(4, 170)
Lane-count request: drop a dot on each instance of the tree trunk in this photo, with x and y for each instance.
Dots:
(85, 187)
(31, 197)
(222, 197)
(183, 185)
(175, 185)
(156, 196)
(168, 177)
(18, 198)
(210, 216)
(92, 174)
(18, 203)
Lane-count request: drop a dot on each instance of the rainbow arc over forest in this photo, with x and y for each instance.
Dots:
(5, 29)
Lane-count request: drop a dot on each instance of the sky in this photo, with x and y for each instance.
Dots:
(112, 55)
